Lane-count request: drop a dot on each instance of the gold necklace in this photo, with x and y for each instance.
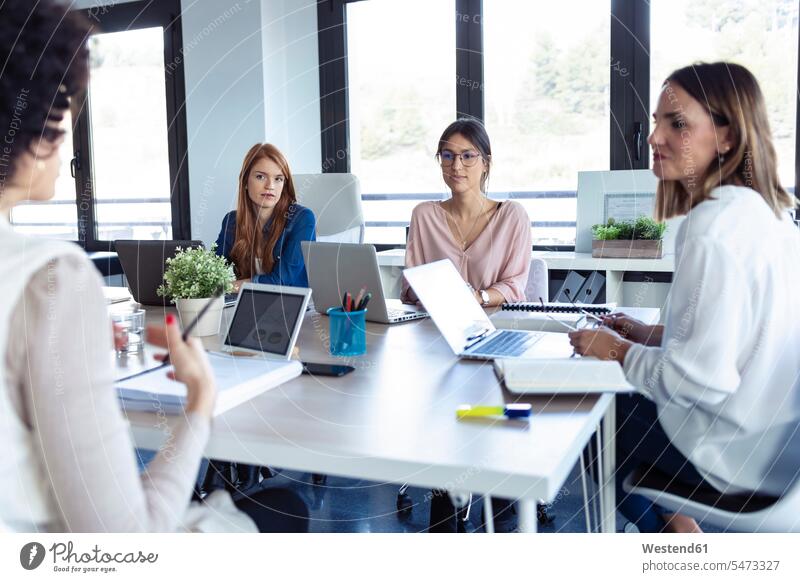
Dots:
(463, 238)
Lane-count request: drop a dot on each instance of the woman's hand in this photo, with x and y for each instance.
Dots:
(191, 365)
(601, 343)
(633, 329)
(238, 284)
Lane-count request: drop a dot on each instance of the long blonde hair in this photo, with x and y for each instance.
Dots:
(731, 96)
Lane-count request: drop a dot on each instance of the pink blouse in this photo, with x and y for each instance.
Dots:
(499, 258)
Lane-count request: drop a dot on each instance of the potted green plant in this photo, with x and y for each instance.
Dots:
(192, 276)
(628, 239)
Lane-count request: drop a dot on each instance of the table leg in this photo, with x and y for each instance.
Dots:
(488, 513)
(607, 477)
(527, 515)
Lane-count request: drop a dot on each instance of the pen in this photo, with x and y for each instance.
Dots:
(509, 411)
(363, 304)
(358, 299)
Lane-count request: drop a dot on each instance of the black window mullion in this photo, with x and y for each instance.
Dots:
(177, 141)
(630, 84)
(333, 86)
(469, 58)
(84, 184)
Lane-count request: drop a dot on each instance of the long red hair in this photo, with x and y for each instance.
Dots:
(250, 242)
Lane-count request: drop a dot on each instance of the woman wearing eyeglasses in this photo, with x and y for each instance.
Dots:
(488, 241)
(718, 401)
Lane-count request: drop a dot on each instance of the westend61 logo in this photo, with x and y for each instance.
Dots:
(66, 559)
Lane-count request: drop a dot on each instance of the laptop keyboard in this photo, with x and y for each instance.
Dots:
(508, 343)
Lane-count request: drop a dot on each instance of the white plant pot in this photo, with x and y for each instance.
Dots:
(209, 323)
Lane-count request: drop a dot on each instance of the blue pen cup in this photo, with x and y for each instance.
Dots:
(348, 332)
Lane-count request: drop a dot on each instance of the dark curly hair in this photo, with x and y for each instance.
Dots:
(43, 62)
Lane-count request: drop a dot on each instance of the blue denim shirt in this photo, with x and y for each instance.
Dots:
(289, 269)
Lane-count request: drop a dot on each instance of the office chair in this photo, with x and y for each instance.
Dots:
(731, 512)
(335, 200)
(538, 284)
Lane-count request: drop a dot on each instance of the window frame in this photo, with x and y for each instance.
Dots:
(123, 17)
(629, 93)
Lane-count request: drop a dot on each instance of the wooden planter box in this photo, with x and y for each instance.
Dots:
(627, 249)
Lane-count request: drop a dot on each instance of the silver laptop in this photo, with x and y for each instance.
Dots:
(266, 321)
(336, 268)
(465, 326)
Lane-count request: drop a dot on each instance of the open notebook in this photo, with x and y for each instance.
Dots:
(238, 379)
(562, 376)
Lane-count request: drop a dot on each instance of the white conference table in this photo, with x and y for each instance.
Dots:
(393, 420)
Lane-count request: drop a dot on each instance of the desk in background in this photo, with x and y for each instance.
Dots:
(392, 263)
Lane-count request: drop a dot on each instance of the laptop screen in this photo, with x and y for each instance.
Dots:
(264, 321)
(449, 302)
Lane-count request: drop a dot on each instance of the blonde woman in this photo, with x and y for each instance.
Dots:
(718, 402)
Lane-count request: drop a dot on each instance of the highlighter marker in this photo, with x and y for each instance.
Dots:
(509, 411)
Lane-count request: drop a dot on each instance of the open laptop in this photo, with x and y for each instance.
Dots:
(266, 321)
(144, 262)
(336, 268)
(465, 326)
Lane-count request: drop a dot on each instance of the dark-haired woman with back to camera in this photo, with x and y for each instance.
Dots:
(261, 238)
(67, 462)
(718, 403)
(488, 241)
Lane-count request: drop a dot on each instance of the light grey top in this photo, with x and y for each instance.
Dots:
(59, 373)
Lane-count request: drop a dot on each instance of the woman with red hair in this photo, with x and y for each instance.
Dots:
(262, 240)
(262, 236)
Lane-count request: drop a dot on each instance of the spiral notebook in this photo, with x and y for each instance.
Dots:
(552, 307)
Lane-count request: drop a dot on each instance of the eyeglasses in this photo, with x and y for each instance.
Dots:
(447, 158)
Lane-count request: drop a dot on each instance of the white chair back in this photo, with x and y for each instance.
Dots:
(782, 516)
(538, 281)
(335, 200)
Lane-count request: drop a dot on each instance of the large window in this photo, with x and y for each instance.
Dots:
(128, 131)
(759, 34)
(563, 87)
(546, 91)
(58, 217)
(401, 97)
(124, 176)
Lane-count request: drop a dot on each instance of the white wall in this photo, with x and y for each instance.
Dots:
(224, 103)
(291, 81)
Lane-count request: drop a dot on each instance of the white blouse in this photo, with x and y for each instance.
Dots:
(725, 378)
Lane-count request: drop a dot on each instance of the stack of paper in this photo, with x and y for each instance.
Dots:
(535, 321)
(238, 380)
(562, 376)
(116, 294)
